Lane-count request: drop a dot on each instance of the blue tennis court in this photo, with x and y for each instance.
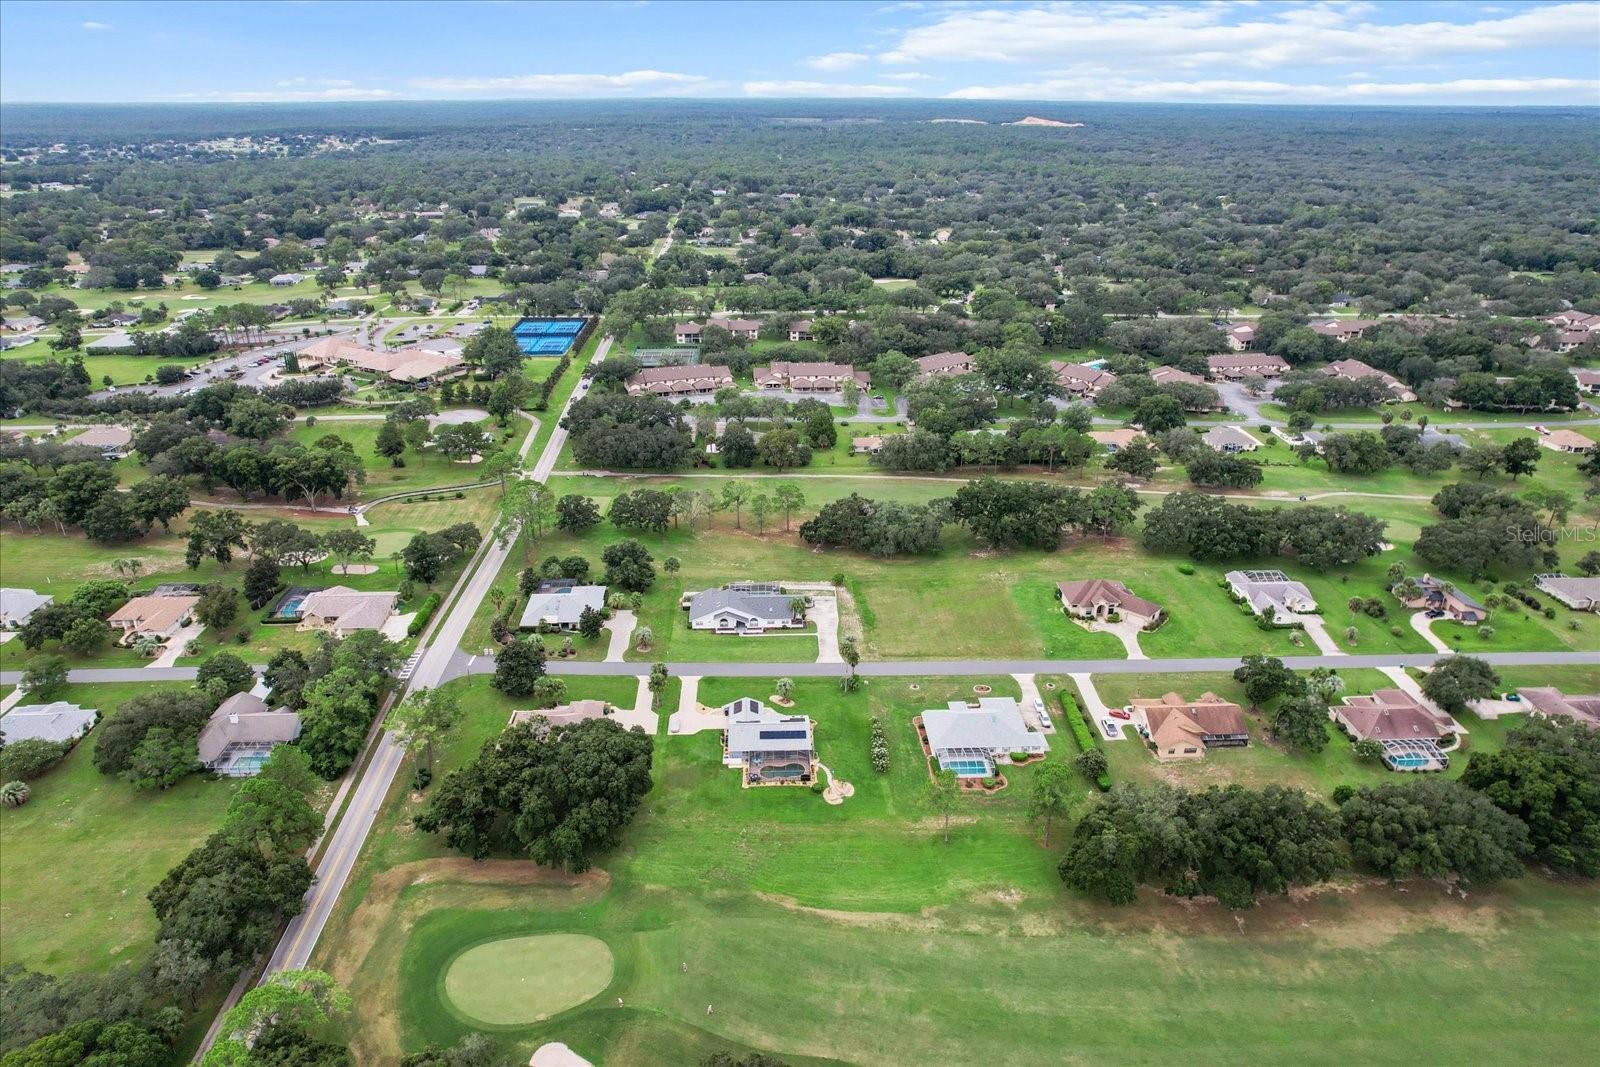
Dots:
(546, 337)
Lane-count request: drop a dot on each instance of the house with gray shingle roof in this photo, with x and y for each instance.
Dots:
(242, 733)
(743, 610)
(1274, 590)
(969, 737)
(18, 605)
(562, 605)
(770, 747)
(56, 722)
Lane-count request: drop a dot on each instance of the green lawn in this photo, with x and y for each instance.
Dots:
(879, 923)
(80, 856)
(424, 469)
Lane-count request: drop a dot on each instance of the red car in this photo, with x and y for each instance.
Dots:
(1119, 713)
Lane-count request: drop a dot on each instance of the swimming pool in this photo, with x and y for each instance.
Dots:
(968, 768)
(290, 608)
(1409, 763)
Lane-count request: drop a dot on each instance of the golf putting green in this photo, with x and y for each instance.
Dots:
(521, 980)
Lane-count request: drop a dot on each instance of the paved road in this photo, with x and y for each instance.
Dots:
(458, 664)
(463, 664)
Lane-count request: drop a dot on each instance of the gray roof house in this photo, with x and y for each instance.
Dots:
(561, 606)
(57, 721)
(1431, 436)
(769, 747)
(1579, 594)
(1230, 439)
(968, 737)
(743, 610)
(242, 733)
(1271, 589)
(18, 605)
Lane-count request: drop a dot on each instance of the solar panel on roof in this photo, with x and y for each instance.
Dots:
(783, 735)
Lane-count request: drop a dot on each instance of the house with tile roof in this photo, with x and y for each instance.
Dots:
(1179, 729)
(1102, 598)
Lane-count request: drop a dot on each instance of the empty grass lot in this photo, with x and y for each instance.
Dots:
(83, 852)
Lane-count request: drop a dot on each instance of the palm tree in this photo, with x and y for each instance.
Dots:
(128, 568)
(15, 794)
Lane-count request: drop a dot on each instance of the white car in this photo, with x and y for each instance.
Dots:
(1044, 720)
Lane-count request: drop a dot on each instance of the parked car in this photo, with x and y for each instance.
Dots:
(1121, 713)
(1044, 720)
(1514, 696)
(1112, 730)
(1435, 613)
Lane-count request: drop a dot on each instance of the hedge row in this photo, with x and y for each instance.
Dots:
(424, 613)
(1083, 733)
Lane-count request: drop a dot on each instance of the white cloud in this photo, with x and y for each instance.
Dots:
(633, 82)
(91, 24)
(1244, 90)
(909, 76)
(810, 88)
(328, 83)
(837, 61)
(281, 96)
(1207, 36)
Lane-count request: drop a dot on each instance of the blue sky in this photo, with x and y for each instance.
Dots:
(1256, 52)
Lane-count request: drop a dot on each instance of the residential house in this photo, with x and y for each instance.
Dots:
(742, 329)
(562, 714)
(1116, 440)
(1343, 330)
(286, 280)
(1432, 595)
(56, 722)
(944, 363)
(1180, 729)
(1569, 441)
(23, 324)
(1169, 375)
(344, 611)
(117, 319)
(242, 733)
(1567, 340)
(1240, 337)
(559, 605)
(1553, 703)
(800, 329)
(1230, 439)
(1410, 732)
(1355, 370)
(1246, 365)
(1271, 593)
(1579, 594)
(109, 440)
(153, 616)
(969, 738)
(674, 381)
(769, 747)
(1081, 380)
(18, 605)
(116, 341)
(744, 608)
(866, 446)
(783, 376)
(1588, 380)
(1103, 598)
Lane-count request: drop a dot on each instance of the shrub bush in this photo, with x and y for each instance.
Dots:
(880, 747)
(424, 613)
(26, 760)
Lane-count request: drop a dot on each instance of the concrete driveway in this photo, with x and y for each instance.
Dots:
(1031, 701)
(621, 626)
(1317, 629)
(1424, 626)
(691, 717)
(643, 715)
(177, 645)
(1127, 631)
(825, 613)
(1110, 729)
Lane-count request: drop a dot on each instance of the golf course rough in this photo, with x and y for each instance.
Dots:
(516, 981)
